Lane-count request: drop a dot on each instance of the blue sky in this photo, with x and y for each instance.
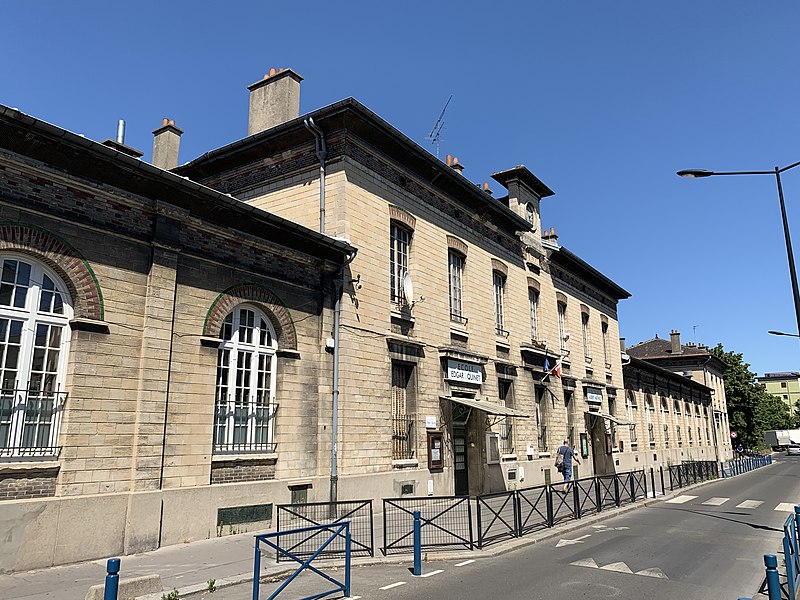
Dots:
(603, 101)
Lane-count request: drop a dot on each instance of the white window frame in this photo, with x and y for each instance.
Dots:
(587, 341)
(562, 326)
(30, 413)
(533, 301)
(455, 271)
(630, 401)
(234, 374)
(499, 285)
(399, 247)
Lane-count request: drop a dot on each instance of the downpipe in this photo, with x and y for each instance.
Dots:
(322, 155)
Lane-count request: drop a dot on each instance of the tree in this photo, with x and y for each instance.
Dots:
(751, 410)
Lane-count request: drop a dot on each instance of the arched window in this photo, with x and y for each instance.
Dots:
(631, 408)
(245, 404)
(35, 309)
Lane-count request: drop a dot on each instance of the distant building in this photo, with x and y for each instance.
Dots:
(785, 386)
(697, 363)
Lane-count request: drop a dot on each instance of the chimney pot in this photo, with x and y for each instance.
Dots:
(165, 121)
(448, 160)
(274, 100)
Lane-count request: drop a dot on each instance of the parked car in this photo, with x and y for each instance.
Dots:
(793, 449)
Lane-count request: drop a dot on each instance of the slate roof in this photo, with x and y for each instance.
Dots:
(658, 348)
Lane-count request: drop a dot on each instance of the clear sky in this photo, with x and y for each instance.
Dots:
(603, 101)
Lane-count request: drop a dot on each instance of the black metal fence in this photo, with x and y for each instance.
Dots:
(691, 472)
(446, 523)
(305, 543)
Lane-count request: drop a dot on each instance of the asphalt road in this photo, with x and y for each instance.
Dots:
(706, 544)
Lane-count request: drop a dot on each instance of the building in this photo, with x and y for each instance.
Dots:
(785, 386)
(163, 351)
(697, 363)
(456, 302)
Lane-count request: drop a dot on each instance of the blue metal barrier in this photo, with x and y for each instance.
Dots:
(417, 544)
(791, 555)
(112, 579)
(334, 530)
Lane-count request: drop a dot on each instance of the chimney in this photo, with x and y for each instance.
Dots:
(456, 166)
(675, 339)
(166, 143)
(486, 189)
(119, 143)
(274, 100)
(622, 344)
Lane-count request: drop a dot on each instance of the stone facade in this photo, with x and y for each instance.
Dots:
(376, 180)
(148, 267)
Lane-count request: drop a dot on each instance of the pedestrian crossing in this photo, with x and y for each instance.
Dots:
(721, 500)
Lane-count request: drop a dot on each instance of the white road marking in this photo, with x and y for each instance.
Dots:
(352, 598)
(465, 563)
(619, 567)
(392, 585)
(652, 573)
(433, 573)
(570, 542)
(750, 504)
(600, 526)
(716, 501)
(785, 507)
(680, 499)
(585, 562)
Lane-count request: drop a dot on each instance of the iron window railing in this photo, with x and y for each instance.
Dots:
(30, 421)
(402, 437)
(506, 438)
(251, 431)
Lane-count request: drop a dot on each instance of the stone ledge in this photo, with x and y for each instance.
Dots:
(16, 467)
(135, 587)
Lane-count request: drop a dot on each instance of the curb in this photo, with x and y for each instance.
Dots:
(501, 548)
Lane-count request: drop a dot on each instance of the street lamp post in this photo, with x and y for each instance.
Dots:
(783, 333)
(696, 173)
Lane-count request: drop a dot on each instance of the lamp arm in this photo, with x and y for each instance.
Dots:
(791, 166)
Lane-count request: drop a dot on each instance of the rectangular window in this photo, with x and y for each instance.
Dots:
(398, 260)
(587, 342)
(541, 408)
(533, 300)
(456, 274)
(403, 443)
(499, 299)
(632, 408)
(507, 426)
(562, 326)
(651, 435)
(612, 410)
(604, 329)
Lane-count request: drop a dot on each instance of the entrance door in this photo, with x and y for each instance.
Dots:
(601, 450)
(460, 461)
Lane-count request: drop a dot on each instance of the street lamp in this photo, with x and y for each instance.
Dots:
(784, 333)
(698, 173)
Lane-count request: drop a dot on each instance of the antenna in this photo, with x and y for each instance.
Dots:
(435, 135)
(694, 333)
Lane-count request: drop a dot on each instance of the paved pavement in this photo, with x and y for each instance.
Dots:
(606, 550)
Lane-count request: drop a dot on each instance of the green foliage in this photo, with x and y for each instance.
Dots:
(173, 595)
(751, 410)
(212, 585)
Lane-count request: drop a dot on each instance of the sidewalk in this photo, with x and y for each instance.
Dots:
(229, 561)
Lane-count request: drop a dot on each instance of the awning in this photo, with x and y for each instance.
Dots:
(607, 417)
(487, 407)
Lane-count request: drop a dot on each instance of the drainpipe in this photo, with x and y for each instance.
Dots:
(322, 155)
(337, 320)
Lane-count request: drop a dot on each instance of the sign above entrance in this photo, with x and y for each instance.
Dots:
(462, 371)
(594, 395)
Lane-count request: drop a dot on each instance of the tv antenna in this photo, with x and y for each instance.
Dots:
(435, 136)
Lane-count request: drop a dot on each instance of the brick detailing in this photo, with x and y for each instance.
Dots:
(456, 244)
(28, 484)
(238, 471)
(406, 218)
(263, 298)
(500, 267)
(533, 284)
(64, 259)
(578, 284)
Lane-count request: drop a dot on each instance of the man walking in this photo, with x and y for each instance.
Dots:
(567, 454)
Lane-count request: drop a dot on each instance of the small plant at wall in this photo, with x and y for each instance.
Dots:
(212, 585)
(173, 595)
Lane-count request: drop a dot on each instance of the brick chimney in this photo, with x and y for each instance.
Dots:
(166, 144)
(274, 100)
(675, 340)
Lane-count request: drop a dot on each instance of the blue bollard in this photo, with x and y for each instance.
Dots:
(773, 579)
(418, 545)
(348, 546)
(112, 579)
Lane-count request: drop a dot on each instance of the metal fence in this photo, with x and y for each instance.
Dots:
(304, 542)
(446, 523)
(691, 472)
